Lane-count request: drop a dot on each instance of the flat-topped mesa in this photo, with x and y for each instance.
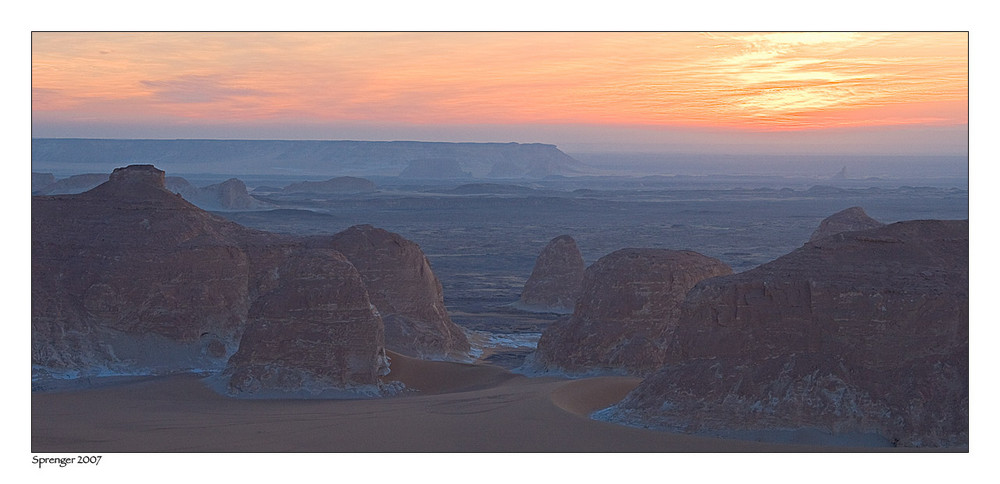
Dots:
(557, 278)
(131, 278)
(358, 158)
(862, 334)
(847, 220)
(139, 174)
(626, 313)
(405, 291)
(133, 182)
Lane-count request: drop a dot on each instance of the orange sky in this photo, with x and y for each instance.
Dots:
(744, 81)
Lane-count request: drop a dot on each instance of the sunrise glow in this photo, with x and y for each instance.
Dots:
(745, 81)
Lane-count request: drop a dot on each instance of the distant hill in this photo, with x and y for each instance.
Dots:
(71, 185)
(354, 158)
(41, 180)
(341, 184)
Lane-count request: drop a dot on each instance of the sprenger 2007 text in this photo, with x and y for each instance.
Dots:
(64, 461)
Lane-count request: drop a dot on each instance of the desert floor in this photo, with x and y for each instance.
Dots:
(459, 408)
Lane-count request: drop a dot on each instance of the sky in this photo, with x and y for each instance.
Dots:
(823, 92)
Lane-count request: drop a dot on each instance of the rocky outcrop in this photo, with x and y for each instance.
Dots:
(311, 329)
(860, 333)
(131, 278)
(340, 184)
(847, 220)
(230, 195)
(626, 314)
(404, 289)
(557, 278)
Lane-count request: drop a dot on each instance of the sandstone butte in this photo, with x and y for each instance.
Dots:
(626, 314)
(130, 278)
(557, 278)
(228, 195)
(862, 332)
(405, 291)
(846, 220)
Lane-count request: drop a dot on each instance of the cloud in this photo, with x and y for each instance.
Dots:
(195, 89)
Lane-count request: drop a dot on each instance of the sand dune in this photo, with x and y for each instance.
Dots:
(457, 408)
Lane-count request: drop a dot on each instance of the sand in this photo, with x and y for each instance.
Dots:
(457, 408)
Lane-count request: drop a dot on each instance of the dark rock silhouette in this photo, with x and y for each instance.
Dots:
(131, 278)
(847, 220)
(626, 314)
(404, 289)
(859, 333)
(557, 278)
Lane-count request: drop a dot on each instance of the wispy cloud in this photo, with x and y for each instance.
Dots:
(782, 80)
(198, 89)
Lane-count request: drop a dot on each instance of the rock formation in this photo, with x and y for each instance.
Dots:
(626, 314)
(859, 333)
(341, 184)
(404, 289)
(131, 278)
(847, 220)
(230, 195)
(311, 329)
(557, 278)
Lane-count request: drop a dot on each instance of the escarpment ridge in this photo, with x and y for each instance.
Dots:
(307, 157)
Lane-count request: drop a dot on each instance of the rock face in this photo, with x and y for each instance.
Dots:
(557, 278)
(627, 312)
(341, 184)
(859, 333)
(230, 195)
(310, 329)
(847, 220)
(404, 289)
(131, 278)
